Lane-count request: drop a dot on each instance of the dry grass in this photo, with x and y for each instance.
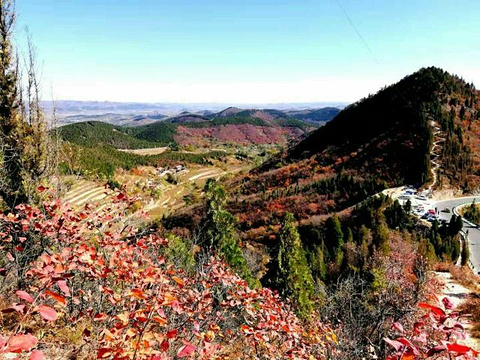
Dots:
(472, 308)
(442, 266)
(465, 276)
(149, 151)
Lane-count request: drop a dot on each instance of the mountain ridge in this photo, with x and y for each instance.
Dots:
(381, 141)
(231, 125)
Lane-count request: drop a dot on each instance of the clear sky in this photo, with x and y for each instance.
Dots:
(245, 51)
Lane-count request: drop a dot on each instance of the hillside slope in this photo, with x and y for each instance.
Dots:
(94, 133)
(381, 141)
(322, 115)
(230, 126)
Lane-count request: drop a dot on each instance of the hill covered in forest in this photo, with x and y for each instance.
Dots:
(322, 115)
(95, 133)
(384, 140)
(310, 228)
(230, 126)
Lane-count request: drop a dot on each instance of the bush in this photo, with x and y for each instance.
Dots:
(127, 301)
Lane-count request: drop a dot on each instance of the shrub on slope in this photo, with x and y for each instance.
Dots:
(76, 283)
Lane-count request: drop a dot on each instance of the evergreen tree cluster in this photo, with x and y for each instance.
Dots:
(217, 231)
(472, 213)
(456, 155)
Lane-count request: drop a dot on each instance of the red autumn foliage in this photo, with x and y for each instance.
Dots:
(97, 272)
(434, 336)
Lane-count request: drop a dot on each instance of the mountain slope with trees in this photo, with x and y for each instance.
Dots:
(382, 141)
(322, 115)
(232, 125)
(96, 133)
(88, 283)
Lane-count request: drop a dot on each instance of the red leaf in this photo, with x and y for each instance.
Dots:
(21, 342)
(164, 345)
(24, 296)
(36, 355)
(395, 344)
(417, 327)
(186, 350)
(103, 353)
(41, 188)
(159, 320)
(62, 284)
(18, 307)
(47, 313)
(397, 326)
(408, 343)
(172, 334)
(459, 349)
(57, 297)
(436, 310)
(448, 303)
(100, 317)
(178, 280)
(139, 294)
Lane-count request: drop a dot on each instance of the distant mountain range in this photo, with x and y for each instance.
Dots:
(231, 125)
(135, 114)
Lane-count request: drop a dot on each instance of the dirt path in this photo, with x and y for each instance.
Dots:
(457, 294)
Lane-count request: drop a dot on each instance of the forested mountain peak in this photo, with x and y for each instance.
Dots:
(384, 140)
(390, 134)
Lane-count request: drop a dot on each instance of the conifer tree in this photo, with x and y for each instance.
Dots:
(334, 238)
(465, 252)
(217, 230)
(23, 130)
(294, 279)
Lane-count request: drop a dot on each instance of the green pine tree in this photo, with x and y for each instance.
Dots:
(218, 231)
(294, 278)
(334, 239)
(23, 134)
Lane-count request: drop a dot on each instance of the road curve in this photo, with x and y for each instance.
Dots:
(473, 232)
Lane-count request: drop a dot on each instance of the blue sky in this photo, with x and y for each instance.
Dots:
(245, 51)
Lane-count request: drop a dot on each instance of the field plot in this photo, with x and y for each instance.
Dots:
(157, 194)
(172, 196)
(86, 192)
(149, 151)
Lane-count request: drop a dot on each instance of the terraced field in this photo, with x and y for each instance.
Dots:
(88, 192)
(167, 197)
(172, 195)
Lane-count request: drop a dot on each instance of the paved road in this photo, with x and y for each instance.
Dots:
(473, 232)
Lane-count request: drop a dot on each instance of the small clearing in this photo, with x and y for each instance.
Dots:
(148, 151)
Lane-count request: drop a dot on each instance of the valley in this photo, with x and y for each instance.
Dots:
(257, 180)
(248, 181)
(158, 190)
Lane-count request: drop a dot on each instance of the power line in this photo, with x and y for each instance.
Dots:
(356, 30)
